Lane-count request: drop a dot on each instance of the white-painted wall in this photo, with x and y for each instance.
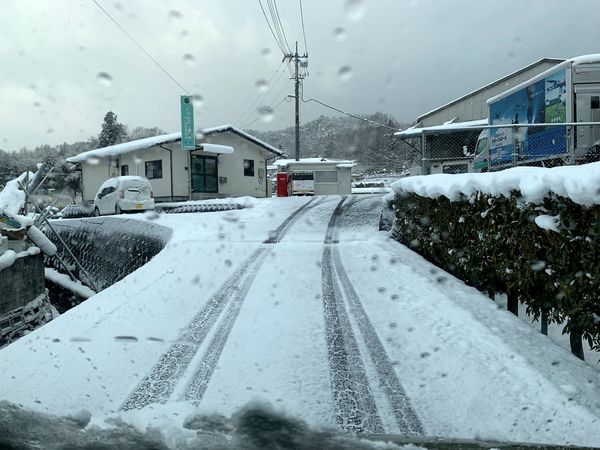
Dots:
(230, 166)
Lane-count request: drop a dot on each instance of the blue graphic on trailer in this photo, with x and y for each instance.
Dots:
(540, 102)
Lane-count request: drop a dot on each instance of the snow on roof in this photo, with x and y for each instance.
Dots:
(127, 147)
(285, 162)
(241, 133)
(214, 148)
(573, 62)
(345, 166)
(414, 132)
(579, 183)
(493, 83)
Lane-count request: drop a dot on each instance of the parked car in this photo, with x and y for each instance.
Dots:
(124, 194)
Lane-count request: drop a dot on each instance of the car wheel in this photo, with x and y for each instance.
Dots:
(118, 209)
(96, 212)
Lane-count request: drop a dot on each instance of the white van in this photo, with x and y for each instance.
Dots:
(123, 194)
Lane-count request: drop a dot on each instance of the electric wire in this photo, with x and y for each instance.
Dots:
(271, 28)
(303, 32)
(349, 114)
(165, 71)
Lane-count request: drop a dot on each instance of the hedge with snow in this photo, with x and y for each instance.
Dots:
(530, 232)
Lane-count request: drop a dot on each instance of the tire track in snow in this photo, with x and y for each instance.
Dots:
(406, 418)
(355, 406)
(196, 388)
(159, 384)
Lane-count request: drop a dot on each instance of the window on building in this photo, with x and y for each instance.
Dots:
(204, 174)
(326, 176)
(125, 169)
(248, 167)
(154, 169)
(595, 103)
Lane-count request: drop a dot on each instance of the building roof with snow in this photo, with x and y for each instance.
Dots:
(140, 144)
(413, 132)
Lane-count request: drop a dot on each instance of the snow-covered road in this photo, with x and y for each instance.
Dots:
(303, 304)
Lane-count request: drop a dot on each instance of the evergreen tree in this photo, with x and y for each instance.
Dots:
(112, 132)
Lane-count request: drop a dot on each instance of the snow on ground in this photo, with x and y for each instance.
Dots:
(245, 202)
(66, 282)
(468, 368)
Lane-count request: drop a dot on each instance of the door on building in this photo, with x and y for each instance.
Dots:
(204, 174)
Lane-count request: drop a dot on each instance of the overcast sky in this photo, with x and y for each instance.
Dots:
(406, 58)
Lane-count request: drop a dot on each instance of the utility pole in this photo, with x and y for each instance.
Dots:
(300, 72)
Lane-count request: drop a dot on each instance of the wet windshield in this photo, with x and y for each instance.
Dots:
(263, 224)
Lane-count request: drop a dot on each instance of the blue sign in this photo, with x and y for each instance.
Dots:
(541, 102)
(188, 133)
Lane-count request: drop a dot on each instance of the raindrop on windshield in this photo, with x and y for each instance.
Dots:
(104, 79)
(175, 15)
(197, 100)
(345, 73)
(355, 10)
(261, 85)
(340, 34)
(265, 113)
(189, 59)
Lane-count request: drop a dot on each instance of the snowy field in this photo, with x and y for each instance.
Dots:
(301, 304)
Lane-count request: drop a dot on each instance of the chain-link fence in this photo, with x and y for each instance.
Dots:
(491, 148)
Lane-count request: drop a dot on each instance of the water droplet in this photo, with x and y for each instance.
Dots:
(49, 131)
(189, 59)
(197, 101)
(37, 104)
(262, 85)
(355, 10)
(266, 113)
(340, 34)
(345, 73)
(389, 82)
(93, 160)
(228, 263)
(104, 79)
(118, 6)
(126, 338)
(175, 15)
(266, 53)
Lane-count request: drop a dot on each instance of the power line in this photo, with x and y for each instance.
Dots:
(349, 114)
(261, 97)
(260, 93)
(303, 32)
(271, 28)
(281, 25)
(141, 48)
(273, 108)
(165, 71)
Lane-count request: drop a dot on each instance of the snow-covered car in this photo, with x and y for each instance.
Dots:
(124, 194)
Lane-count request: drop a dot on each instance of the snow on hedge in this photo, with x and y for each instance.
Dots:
(579, 183)
(66, 282)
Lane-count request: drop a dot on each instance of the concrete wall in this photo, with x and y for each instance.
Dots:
(474, 107)
(21, 282)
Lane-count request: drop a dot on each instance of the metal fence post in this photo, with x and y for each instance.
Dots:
(423, 154)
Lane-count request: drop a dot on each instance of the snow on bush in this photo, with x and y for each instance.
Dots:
(530, 232)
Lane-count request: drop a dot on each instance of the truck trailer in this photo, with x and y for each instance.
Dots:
(531, 122)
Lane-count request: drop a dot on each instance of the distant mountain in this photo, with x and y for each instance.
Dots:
(372, 147)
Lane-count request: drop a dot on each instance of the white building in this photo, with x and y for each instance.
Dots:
(227, 162)
(331, 176)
